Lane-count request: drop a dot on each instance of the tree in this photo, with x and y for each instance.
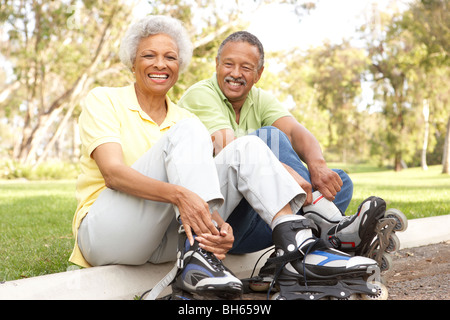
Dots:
(410, 58)
(337, 79)
(429, 20)
(429, 23)
(325, 82)
(58, 50)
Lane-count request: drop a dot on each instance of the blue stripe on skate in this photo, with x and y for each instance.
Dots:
(192, 266)
(330, 257)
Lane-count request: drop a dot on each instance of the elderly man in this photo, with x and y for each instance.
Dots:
(230, 106)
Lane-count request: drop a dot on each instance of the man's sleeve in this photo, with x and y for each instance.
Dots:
(271, 109)
(208, 107)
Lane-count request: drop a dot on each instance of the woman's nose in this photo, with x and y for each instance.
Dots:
(160, 63)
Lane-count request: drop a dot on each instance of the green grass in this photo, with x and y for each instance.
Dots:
(35, 227)
(36, 217)
(415, 192)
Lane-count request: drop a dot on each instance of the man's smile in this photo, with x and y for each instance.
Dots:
(235, 82)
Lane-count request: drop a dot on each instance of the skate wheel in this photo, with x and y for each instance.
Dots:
(394, 244)
(380, 292)
(386, 260)
(400, 219)
(277, 296)
(259, 286)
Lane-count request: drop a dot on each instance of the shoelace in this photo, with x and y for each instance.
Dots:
(212, 259)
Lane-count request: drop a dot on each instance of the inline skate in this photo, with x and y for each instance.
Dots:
(197, 275)
(369, 232)
(202, 275)
(306, 268)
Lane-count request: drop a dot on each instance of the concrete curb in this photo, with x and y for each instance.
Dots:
(126, 282)
(425, 231)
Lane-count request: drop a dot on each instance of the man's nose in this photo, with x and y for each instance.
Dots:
(236, 72)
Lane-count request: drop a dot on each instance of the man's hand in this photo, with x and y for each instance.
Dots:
(308, 149)
(325, 180)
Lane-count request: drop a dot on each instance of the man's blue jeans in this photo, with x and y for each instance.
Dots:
(251, 233)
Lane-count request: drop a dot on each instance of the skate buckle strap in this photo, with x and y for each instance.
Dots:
(170, 277)
(167, 280)
(164, 283)
(304, 224)
(285, 258)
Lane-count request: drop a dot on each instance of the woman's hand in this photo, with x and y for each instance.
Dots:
(195, 215)
(219, 244)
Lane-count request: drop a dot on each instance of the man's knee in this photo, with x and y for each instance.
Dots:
(274, 138)
(268, 132)
(347, 184)
(344, 176)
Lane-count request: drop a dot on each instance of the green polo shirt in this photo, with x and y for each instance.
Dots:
(206, 100)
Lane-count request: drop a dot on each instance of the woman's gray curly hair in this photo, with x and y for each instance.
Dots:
(151, 25)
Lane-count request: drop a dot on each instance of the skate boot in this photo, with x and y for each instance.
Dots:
(202, 275)
(307, 269)
(369, 232)
(347, 233)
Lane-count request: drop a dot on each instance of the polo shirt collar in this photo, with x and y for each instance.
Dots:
(133, 105)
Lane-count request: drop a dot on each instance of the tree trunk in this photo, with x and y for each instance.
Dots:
(426, 113)
(398, 166)
(446, 155)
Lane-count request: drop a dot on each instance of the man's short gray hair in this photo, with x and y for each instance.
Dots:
(244, 36)
(151, 25)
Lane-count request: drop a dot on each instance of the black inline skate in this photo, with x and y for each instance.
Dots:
(307, 269)
(203, 276)
(197, 275)
(370, 232)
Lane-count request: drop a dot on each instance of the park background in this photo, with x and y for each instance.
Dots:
(370, 79)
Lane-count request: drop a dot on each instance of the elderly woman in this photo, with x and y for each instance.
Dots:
(142, 156)
(147, 168)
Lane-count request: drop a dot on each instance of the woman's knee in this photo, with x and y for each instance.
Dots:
(190, 127)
